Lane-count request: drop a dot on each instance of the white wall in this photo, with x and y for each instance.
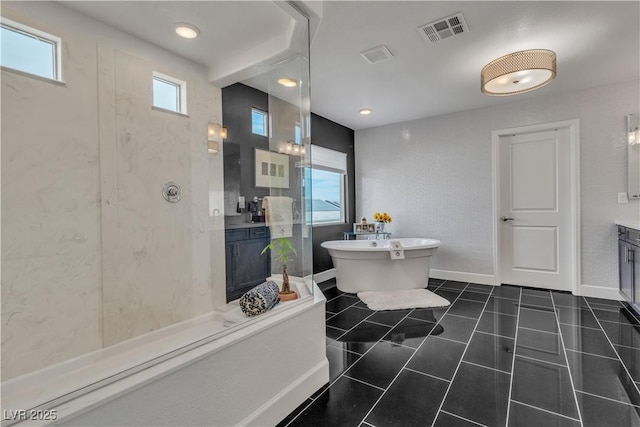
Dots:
(91, 252)
(433, 176)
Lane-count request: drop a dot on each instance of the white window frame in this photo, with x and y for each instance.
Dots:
(41, 36)
(328, 160)
(265, 115)
(181, 87)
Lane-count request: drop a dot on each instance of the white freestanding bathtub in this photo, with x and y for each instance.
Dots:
(367, 265)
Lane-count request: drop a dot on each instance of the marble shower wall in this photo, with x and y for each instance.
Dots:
(433, 175)
(152, 280)
(92, 254)
(51, 236)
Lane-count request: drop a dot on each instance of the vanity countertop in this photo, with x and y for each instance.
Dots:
(628, 223)
(244, 225)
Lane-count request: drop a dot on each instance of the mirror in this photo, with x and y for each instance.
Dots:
(633, 155)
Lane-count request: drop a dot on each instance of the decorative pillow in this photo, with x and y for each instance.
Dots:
(260, 299)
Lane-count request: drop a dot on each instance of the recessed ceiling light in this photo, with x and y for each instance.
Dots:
(287, 82)
(365, 111)
(187, 31)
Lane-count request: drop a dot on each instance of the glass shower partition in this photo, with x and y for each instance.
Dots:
(114, 209)
(269, 165)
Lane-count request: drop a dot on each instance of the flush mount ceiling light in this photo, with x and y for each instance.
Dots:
(287, 82)
(365, 111)
(187, 31)
(518, 72)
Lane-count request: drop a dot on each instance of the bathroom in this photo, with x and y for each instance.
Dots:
(433, 172)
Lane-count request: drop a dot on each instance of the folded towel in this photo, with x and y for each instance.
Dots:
(279, 216)
(396, 249)
(260, 299)
(234, 316)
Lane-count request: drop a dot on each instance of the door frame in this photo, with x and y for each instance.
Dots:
(574, 140)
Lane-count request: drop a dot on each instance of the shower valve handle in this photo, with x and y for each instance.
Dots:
(172, 192)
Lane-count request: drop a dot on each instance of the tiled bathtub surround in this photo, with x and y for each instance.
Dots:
(496, 356)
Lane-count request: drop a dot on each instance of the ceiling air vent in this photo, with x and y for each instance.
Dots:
(443, 28)
(376, 54)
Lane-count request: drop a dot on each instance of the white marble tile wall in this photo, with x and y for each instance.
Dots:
(91, 252)
(433, 176)
(51, 235)
(162, 266)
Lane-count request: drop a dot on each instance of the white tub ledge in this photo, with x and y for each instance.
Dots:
(254, 375)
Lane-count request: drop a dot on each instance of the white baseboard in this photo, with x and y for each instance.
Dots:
(599, 292)
(324, 275)
(483, 279)
(487, 279)
(283, 403)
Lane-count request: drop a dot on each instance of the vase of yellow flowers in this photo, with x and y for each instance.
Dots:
(381, 220)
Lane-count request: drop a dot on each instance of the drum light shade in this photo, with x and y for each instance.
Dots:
(518, 72)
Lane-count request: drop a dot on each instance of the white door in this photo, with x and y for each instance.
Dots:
(535, 209)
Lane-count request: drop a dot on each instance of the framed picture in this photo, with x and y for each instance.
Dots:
(272, 169)
(364, 228)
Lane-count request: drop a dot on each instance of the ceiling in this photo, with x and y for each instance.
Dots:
(596, 43)
(234, 35)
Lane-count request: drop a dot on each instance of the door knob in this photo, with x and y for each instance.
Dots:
(506, 218)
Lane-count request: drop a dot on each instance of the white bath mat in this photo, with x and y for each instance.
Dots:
(398, 300)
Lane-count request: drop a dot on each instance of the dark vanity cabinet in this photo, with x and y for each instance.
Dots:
(246, 268)
(629, 265)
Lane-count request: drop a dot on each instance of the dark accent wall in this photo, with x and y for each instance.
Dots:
(239, 178)
(328, 134)
(237, 101)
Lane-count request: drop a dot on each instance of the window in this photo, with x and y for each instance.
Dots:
(327, 205)
(327, 179)
(259, 122)
(29, 50)
(297, 134)
(169, 93)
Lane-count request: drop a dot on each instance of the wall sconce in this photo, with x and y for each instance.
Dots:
(633, 122)
(216, 133)
(290, 147)
(633, 156)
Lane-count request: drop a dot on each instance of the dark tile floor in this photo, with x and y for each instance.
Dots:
(497, 356)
